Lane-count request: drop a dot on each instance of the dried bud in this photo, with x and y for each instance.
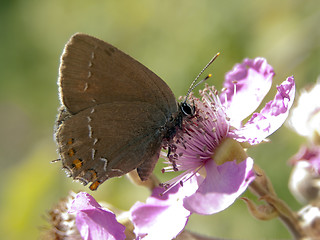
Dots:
(62, 224)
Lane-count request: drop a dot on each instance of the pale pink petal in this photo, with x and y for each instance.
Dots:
(246, 85)
(271, 117)
(162, 216)
(305, 116)
(310, 155)
(222, 185)
(158, 222)
(93, 221)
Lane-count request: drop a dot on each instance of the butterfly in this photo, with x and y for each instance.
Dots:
(115, 113)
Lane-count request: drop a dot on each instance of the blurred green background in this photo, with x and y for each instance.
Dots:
(175, 39)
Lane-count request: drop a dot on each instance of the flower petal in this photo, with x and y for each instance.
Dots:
(271, 117)
(222, 185)
(162, 217)
(158, 222)
(310, 155)
(93, 221)
(246, 85)
(305, 117)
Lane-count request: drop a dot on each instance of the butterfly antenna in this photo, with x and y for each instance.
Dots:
(194, 84)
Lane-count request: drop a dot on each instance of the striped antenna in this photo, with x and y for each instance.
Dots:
(194, 84)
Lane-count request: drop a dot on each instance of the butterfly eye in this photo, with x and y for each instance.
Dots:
(187, 109)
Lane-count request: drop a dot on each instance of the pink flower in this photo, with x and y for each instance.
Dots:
(216, 169)
(93, 221)
(304, 182)
(211, 148)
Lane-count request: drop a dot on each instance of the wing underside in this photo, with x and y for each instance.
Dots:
(111, 139)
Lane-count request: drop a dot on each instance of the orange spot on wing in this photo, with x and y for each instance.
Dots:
(94, 185)
(77, 163)
(71, 152)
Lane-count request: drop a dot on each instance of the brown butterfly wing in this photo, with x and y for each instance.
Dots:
(94, 72)
(114, 112)
(109, 140)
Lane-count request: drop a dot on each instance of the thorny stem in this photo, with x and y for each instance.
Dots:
(262, 188)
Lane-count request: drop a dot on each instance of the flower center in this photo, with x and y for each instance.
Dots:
(229, 150)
